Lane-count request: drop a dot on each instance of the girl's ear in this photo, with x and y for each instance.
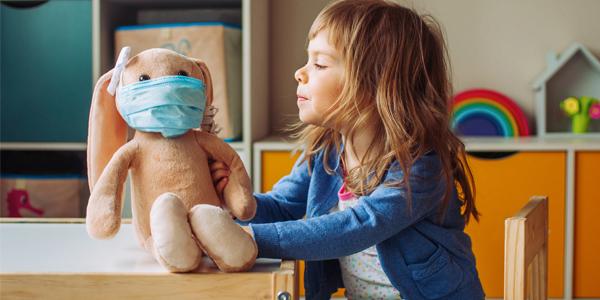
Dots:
(207, 80)
(107, 131)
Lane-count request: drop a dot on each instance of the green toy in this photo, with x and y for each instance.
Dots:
(581, 110)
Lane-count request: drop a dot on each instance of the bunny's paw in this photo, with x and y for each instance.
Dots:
(173, 243)
(226, 242)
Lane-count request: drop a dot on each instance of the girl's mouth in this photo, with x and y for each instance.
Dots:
(302, 98)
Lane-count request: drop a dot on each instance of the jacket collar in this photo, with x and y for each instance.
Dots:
(334, 158)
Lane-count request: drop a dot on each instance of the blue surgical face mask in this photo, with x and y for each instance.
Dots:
(171, 105)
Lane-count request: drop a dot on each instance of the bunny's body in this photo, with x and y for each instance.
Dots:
(157, 169)
(177, 214)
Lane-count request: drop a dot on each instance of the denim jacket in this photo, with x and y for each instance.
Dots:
(423, 257)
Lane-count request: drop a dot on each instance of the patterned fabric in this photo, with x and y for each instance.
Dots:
(361, 272)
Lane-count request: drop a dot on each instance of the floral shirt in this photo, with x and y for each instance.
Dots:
(361, 272)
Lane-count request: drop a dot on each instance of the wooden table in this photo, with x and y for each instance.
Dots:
(60, 261)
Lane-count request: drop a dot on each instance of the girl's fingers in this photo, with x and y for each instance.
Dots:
(221, 186)
(218, 165)
(219, 174)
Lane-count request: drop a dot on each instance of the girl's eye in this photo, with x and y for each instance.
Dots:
(319, 67)
(144, 77)
(182, 73)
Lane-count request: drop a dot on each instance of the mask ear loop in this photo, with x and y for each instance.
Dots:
(118, 70)
(208, 122)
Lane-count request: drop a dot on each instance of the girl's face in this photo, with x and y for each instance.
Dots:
(319, 81)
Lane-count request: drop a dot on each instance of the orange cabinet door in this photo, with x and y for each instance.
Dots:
(503, 186)
(276, 164)
(587, 225)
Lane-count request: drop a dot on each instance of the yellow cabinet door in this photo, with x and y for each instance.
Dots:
(274, 165)
(587, 225)
(503, 186)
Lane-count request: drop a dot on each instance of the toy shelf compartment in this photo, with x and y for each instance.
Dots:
(43, 183)
(114, 13)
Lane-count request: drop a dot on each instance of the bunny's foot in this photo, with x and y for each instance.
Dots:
(173, 243)
(232, 248)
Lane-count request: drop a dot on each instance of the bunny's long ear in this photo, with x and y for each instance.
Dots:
(107, 131)
(208, 123)
(207, 80)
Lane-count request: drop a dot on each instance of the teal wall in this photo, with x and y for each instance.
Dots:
(46, 71)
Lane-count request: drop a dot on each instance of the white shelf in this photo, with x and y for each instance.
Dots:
(239, 146)
(279, 143)
(532, 144)
(275, 143)
(44, 146)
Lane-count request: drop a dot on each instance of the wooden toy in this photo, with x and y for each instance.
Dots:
(482, 112)
(576, 71)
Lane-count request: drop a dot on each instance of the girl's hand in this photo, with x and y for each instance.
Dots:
(220, 174)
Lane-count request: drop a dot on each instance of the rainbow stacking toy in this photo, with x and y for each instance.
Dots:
(481, 112)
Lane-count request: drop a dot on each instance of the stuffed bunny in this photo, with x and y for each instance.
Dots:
(177, 214)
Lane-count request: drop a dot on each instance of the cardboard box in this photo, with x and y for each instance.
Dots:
(43, 197)
(217, 44)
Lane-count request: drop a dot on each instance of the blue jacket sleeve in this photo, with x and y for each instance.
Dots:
(287, 200)
(377, 217)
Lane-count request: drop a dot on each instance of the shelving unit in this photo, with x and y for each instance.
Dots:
(44, 103)
(101, 17)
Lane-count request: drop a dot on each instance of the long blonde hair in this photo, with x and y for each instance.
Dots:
(396, 76)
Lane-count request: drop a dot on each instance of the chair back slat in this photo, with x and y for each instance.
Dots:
(526, 251)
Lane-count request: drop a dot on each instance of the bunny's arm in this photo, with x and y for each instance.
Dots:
(103, 217)
(238, 192)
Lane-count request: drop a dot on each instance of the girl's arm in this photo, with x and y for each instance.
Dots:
(374, 219)
(287, 200)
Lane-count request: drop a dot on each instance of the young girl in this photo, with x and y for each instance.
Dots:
(383, 182)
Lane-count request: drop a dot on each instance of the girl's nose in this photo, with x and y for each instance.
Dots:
(300, 75)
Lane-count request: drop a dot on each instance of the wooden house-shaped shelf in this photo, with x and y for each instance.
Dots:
(573, 73)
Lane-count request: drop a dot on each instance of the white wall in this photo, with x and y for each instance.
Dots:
(496, 44)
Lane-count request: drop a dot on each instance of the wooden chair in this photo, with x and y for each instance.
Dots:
(526, 251)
